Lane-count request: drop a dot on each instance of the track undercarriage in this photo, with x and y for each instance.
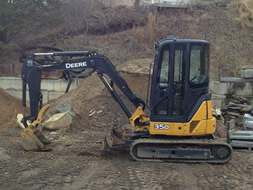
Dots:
(191, 151)
(144, 147)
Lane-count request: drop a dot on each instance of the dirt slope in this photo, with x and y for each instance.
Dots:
(9, 108)
(95, 108)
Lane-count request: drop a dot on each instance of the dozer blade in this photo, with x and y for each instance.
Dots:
(112, 138)
(32, 138)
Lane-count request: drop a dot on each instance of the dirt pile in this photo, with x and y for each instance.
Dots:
(93, 105)
(9, 108)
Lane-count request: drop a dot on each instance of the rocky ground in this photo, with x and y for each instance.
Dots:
(76, 160)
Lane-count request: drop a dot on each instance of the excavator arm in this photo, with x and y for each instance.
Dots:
(35, 63)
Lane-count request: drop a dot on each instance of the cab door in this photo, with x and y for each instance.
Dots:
(180, 80)
(168, 82)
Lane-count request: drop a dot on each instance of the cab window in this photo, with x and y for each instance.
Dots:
(199, 66)
(164, 72)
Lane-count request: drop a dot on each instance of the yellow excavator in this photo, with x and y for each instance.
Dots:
(180, 125)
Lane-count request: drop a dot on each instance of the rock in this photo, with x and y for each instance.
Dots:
(58, 121)
(19, 118)
(239, 107)
(100, 111)
(234, 108)
(3, 154)
(230, 104)
(66, 107)
(241, 99)
(233, 114)
(246, 109)
(216, 113)
(92, 112)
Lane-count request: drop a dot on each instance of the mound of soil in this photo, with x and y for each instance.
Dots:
(9, 108)
(93, 105)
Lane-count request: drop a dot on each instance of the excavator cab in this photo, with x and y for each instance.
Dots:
(180, 85)
(180, 79)
(181, 122)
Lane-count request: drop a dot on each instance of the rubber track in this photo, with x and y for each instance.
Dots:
(169, 141)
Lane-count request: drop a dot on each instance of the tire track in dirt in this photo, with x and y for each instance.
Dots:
(151, 176)
(236, 170)
(187, 176)
(85, 177)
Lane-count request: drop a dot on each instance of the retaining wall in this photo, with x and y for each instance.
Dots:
(52, 89)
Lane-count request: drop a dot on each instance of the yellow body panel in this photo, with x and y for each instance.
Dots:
(201, 124)
(141, 116)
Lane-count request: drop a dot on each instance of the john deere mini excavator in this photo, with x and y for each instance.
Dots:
(180, 125)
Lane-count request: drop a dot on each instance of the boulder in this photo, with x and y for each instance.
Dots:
(66, 107)
(19, 118)
(58, 121)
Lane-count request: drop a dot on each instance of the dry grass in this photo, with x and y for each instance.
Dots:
(231, 44)
(147, 33)
(244, 10)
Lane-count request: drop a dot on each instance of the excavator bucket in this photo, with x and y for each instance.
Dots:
(33, 140)
(112, 138)
(32, 137)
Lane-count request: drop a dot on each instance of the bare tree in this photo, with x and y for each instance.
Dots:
(76, 15)
(137, 3)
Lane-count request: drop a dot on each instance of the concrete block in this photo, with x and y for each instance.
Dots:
(241, 89)
(59, 85)
(218, 99)
(235, 79)
(52, 95)
(242, 135)
(219, 88)
(247, 117)
(11, 82)
(248, 122)
(247, 73)
(17, 93)
(247, 67)
(248, 126)
(51, 89)
(241, 144)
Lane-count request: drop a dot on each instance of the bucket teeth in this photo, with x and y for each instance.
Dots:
(41, 137)
(34, 140)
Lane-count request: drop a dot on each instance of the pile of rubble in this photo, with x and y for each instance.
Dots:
(236, 108)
